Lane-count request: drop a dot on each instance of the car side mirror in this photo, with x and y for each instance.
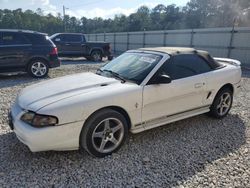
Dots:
(57, 40)
(163, 79)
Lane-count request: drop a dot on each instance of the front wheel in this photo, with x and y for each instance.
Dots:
(222, 103)
(104, 133)
(38, 68)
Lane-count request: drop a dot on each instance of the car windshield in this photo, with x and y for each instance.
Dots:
(131, 66)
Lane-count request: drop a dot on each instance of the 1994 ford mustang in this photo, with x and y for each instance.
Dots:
(139, 90)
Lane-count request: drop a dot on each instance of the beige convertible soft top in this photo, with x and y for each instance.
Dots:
(172, 51)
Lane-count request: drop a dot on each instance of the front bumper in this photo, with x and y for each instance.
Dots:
(10, 121)
(64, 137)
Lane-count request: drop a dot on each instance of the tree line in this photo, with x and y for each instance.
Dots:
(195, 14)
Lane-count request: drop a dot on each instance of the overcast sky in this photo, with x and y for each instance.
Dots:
(87, 8)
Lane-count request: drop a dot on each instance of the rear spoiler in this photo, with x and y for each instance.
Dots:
(228, 61)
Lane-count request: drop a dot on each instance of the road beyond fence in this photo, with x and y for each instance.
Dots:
(220, 42)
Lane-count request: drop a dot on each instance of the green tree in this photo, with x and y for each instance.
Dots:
(196, 14)
(157, 16)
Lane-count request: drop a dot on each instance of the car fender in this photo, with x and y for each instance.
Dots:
(36, 57)
(80, 107)
(97, 48)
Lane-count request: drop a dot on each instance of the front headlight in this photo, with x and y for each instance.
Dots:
(28, 117)
(38, 120)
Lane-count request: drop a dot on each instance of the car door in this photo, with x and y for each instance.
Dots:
(72, 44)
(14, 50)
(186, 92)
(84, 47)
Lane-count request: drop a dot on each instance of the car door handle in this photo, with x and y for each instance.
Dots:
(199, 85)
(67, 44)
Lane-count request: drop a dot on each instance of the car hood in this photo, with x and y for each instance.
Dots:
(39, 95)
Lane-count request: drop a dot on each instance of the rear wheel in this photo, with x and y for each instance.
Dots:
(38, 68)
(96, 55)
(104, 133)
(222, 103)
(88, 58)
(110, 58)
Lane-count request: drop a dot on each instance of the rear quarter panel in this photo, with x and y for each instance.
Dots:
(103, 46)
(230, 74)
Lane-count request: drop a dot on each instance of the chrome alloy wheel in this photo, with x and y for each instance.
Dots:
(38, 69)
(224, 104)
(108, 135)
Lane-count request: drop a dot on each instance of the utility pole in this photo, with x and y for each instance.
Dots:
(64, 13)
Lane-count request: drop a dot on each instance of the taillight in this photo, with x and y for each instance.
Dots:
(54, 51)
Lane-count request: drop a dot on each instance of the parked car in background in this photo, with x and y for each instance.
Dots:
(75, 45)
(27, 51)
(139, 90)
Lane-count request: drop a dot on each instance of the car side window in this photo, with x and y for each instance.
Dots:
(37, 38)
(58, 37)
(11, 38)
(72, 38)
(185, 65)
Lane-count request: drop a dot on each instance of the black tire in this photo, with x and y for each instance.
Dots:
(96, 56)
(110, 58)
(94, 134)
(88, 58)
(217, 110)
(38, 68)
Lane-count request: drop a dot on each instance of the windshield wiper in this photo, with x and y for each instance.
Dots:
(114, 74)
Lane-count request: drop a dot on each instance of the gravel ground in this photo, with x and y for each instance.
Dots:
(196, 152)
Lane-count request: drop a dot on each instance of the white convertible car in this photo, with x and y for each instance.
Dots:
(137, 91)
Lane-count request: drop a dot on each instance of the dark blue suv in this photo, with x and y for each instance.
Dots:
(27, 51)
